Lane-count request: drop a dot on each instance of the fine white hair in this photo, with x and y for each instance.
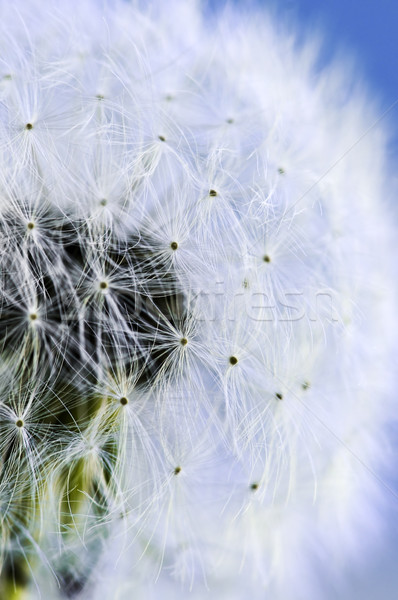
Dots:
(197, 315)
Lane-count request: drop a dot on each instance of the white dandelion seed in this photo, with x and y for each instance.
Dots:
(196, 306)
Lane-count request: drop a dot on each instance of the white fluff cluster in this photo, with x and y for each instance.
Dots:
(195, 310)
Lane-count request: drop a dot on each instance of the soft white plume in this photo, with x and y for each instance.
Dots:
(196, 308)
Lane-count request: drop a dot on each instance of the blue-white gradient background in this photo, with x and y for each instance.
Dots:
(366, 32)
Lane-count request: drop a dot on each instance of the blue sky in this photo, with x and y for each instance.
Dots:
(368, 29)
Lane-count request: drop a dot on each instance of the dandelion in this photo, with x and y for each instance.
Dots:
(196, 314)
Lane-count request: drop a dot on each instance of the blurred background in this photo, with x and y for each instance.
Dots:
(367, 31)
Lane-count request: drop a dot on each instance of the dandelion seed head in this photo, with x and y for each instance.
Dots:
(144, 183)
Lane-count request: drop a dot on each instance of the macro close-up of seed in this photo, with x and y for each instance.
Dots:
(197, 306)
